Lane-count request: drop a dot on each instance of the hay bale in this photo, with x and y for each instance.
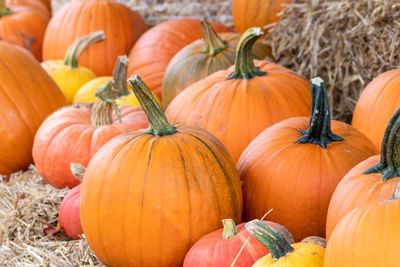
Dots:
(347, 43)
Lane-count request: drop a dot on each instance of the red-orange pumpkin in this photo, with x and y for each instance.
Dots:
(69, 214)
(121, 25)
(294, 166)
(27, 96)
(151, 54)
(237, 104)
(37, 5)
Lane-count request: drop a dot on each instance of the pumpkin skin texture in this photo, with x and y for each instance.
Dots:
(81, 17)
(242, 103)
(69, 214)
(37, 5)
(170, 186)
(27, 95)
(164, 40)
(284, 169)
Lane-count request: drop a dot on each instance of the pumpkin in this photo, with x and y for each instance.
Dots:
(202, 58)
(23, 26)
(376, 105)
(121, 25)
(250, 96)
(37, 5)
(367, 236)
(148, 196)
(295, 165)
(163, 41)
(282, 253)
(220, 248)
(47, 3)
(27, 96)
(87, 93)
(370, 181)
(75, 133)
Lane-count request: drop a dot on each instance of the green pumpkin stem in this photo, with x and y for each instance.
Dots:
(270, 238)
(103, 106)
(389, 165)
(119, 76)
(244, 65)
(158, 123)
(4, 10)
(229, 228)
(79, 45)
(213, 44)
(319, 129)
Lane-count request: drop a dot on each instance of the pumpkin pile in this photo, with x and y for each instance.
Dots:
(185, 145)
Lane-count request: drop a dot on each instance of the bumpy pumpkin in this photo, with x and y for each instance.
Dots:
(152, 53)
(294, 169)
(37, 5)
(27, 96)
(121, 25)
(148, 196)
(370, 181)
(68, 75)
(75, 133)
(282, 253)
(23, 26)
(220, 248)
(202, 58)
(237, 104)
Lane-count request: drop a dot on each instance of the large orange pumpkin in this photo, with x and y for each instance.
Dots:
(148, 196)
(37, 5)
(27, 96)
(151, 54)
(23, 26)
(370, 181)
(294, 166)
(237, 104)
(121, 25)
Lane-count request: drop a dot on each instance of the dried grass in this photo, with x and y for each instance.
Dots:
(27, 205)
(347, 43)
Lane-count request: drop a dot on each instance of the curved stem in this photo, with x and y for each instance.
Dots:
(244, 65)
(213, 44)
(119, 76)
(103, 106)
(389, 165)
(270, 238)
(158, 123)
(4, 10)
(319, 129)
(79, 45)
(229, 228)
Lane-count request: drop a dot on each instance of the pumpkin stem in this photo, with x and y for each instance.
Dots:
(119, 76)
(389, 165)
(244, 65)
(158, 123)
(78, 170)
(229, 228)
(319, 129)
(4, 10)
(103, 106)
(270, 238)
(79, 45)
(212, 43)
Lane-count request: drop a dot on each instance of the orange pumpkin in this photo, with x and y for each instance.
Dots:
(148, 196)
(152, 53)
(237, 104)
(81, 17)
(370, 181)
(295, 170)
(37, 5)
(27, 96)
(23, 26)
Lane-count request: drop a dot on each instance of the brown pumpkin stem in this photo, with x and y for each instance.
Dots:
(270, 238)
(119, 76)
(319, 129)
(79, 45)
(244, 65)
(229, 228)
(78, 170)
(389, 165)
(213, 44)
(103, 106)
(4, 10)
(158, 123)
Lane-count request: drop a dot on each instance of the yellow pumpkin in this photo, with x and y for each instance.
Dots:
(66, 73)
(282, 254)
